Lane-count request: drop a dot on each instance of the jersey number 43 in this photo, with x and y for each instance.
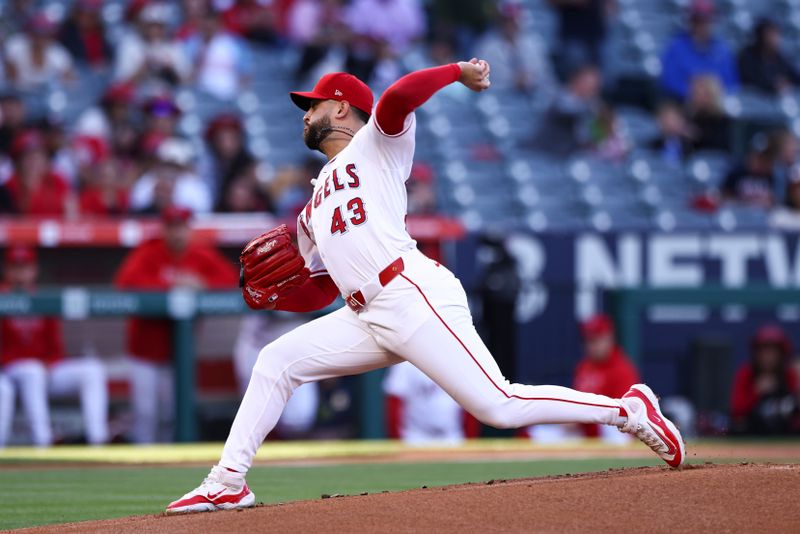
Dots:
(355, 211)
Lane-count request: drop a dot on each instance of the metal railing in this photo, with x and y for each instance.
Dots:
(183, 307)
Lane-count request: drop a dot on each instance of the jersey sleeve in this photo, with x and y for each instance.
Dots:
(395, 152)
(308, 249)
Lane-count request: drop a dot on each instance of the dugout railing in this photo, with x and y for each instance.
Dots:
(183, 307)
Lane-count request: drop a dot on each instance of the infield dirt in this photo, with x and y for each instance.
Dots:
(700, 498)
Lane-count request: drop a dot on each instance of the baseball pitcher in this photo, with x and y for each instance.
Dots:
(401, 306)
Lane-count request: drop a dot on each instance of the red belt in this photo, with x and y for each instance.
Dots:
(357, 300)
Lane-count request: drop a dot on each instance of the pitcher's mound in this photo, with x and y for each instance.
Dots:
(708, 498)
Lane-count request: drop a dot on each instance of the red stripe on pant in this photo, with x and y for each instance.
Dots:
(501, 390)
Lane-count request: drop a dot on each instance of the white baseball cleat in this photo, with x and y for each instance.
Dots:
(221, 490)
(646, 422)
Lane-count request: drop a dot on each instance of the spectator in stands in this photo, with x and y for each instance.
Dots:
(787, 214)
(697, 52)
(173, 260)
(83, 34)
(193, 13)
(316, 26)
(56, 142)
(675, 136)
(112, 120)
(149, 54)
(764, 399)
(115, 122)
(419, 412)
(172, 180)
(604, 369)
(32, 357)
(220, 61)
(161, 115)
(382, 30)
(562, 130)
(230, 170)
(253, 20)
(103, 193)
(751, 182)
(33, 187)
(519, 59)
(606, 137)
(763, 65)
(12, 118)
(705, 111)
(6, 408)
(34, 58)
(786, 149)
(582, 28)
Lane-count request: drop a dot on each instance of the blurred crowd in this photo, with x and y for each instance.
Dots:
(699, 70)
(126, 154)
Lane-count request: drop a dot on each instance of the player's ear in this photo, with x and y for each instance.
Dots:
(342, 109)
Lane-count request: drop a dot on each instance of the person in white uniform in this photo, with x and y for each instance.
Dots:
(32, 358)
(422, 412)
(6, 408)
(401, 305)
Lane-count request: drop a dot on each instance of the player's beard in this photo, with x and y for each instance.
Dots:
(317, 132)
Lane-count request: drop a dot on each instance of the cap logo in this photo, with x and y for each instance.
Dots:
(337, 93)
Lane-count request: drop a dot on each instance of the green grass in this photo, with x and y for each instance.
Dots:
(39, 496)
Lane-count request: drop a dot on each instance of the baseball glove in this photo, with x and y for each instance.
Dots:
(269, 267)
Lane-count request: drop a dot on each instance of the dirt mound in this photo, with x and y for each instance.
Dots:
(708, 498)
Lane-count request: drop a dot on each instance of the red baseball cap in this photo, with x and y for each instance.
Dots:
(119, 93)
(701, 9)
(221, 122)
(89, 150)
(20, 255)
(175, 214)
(597, 326)
(772, 334)
(26, 141)
(337, 86)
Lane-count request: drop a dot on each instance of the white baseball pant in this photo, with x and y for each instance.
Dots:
(6, 408)
(152, 399)
(300, 412)
(421, 316)
(85, 377)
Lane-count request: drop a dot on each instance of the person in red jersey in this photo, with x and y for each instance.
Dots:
(604, 369)
(32, 357)
(35, 189)
(167, 262)
(765, 392)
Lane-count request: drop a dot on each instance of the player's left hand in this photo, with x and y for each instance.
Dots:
(271, 266)
(475, 74)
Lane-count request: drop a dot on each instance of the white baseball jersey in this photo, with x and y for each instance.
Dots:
(352, 229)
(354, 225)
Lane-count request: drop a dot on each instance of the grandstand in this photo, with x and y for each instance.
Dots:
(516, 186)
